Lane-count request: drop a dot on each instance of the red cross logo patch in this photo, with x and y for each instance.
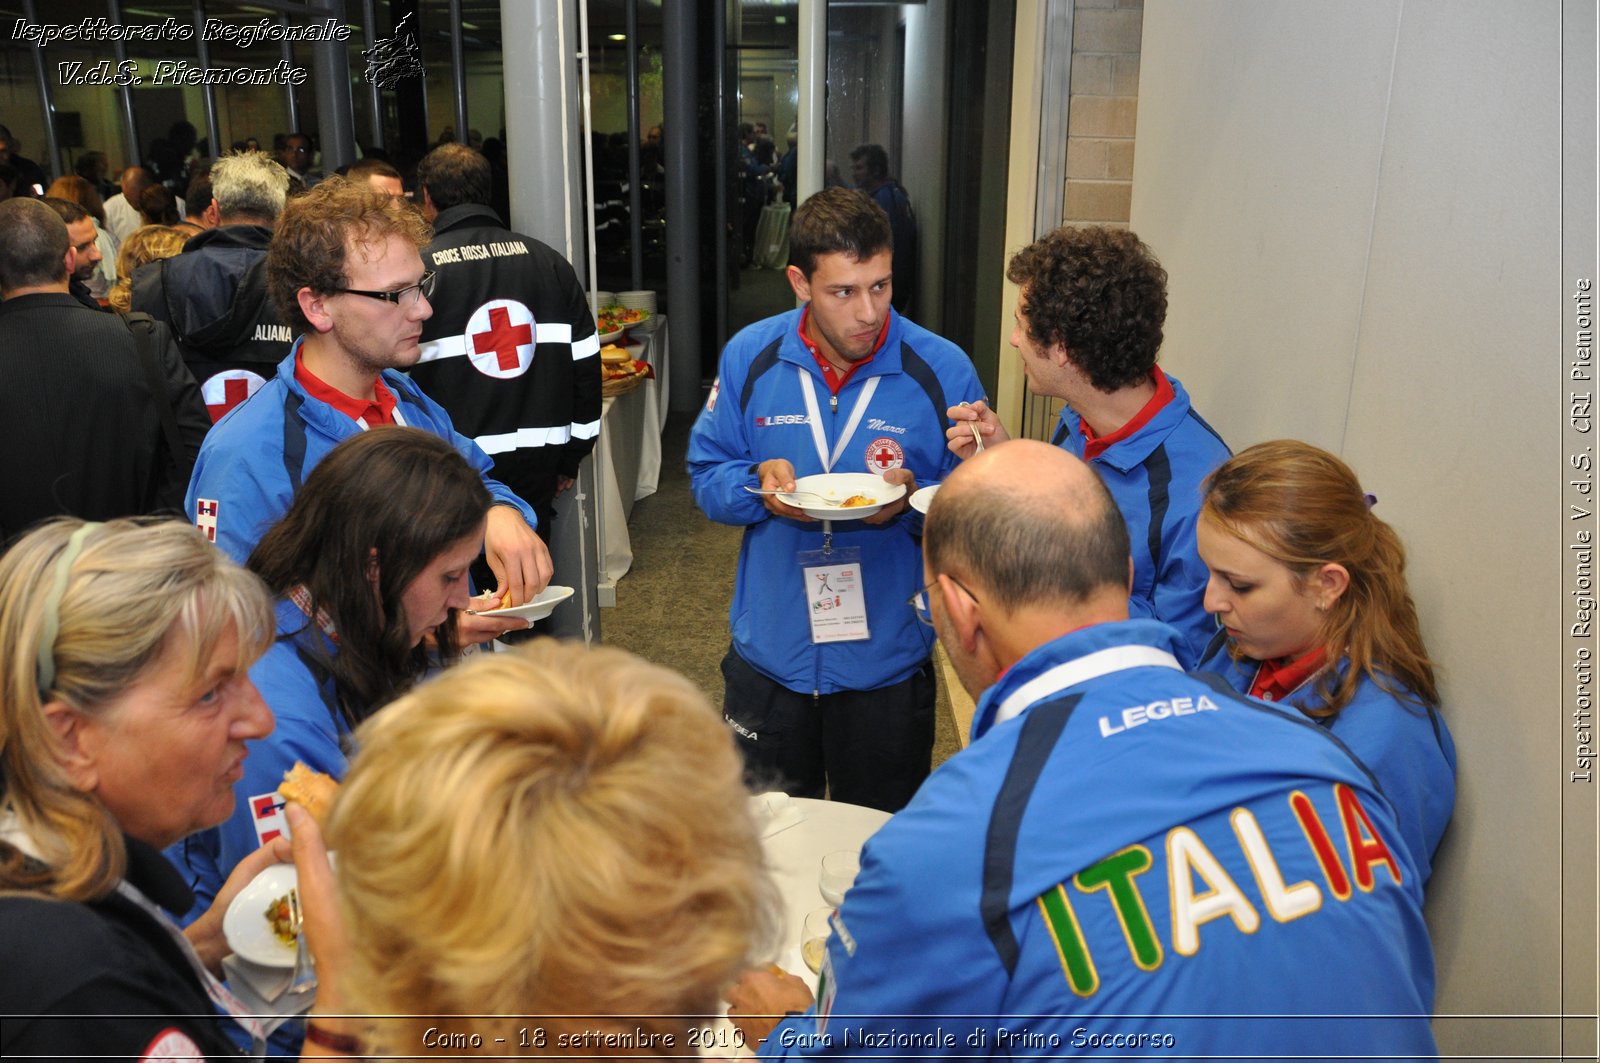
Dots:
(500, 338)
(227, 389)
(884, 454)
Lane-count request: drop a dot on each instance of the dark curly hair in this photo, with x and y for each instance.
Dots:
(1101, 294)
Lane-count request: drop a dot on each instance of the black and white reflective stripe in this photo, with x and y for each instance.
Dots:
(544, 332)
(527, 438)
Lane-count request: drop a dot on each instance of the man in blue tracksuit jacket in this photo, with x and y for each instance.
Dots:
(359, 307)
(1090, 306)
(1127, 858)
(842, 385)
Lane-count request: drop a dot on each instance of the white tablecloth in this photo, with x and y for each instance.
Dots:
(628, 456)
(795, 857)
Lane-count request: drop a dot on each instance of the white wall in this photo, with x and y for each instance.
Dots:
(1360, 208)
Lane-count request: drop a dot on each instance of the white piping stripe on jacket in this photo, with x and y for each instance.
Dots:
(1081, 669)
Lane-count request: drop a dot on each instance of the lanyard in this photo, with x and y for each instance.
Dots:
(219, 994)
(814, 416)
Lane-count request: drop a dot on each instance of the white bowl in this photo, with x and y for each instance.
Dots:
(538, 607)
(922, 497)
(834, 487)
(245, 922)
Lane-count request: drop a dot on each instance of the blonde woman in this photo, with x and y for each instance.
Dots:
(1309, 586)
(125, 709)
(146, 244)
(549, 832)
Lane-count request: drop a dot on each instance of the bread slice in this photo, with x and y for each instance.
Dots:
(312, 790)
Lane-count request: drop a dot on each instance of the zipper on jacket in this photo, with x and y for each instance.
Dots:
(833, 403)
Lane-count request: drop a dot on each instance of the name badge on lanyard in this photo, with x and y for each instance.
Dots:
(835, 596)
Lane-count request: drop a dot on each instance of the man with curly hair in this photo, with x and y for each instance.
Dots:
(1090, 306)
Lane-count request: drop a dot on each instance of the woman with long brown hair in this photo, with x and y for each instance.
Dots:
(1309, 586)
(370, 561)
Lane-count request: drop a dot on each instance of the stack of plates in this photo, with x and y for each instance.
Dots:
(605, 299)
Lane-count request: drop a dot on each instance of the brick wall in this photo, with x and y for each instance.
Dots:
(1100, 124)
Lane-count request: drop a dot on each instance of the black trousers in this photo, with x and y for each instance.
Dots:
(866, 747)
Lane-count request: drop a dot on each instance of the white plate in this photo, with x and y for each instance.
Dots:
(922, 497)
(536, 608)
(611, 337)
(245, 922)
(838, 486)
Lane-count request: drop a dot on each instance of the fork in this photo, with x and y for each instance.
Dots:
(793, 494)
(976, 438)
(305, 975)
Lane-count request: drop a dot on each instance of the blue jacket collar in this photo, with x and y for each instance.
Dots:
(794, 351)
(1132, 452)
(1072, 660)
(319, 414)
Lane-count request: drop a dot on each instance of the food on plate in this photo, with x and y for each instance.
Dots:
(280, 919)
(858, 500)
(623, 370)
(505, 603)
(612, 318)
(312, 790)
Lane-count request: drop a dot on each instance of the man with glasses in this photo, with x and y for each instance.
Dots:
(345, 270)
(1127, 858)
(296, 158)
(830, 690)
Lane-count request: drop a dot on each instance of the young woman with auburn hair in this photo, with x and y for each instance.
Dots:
(1310, 589)
(370, 560)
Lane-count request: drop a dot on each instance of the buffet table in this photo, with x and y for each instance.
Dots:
(628, 455)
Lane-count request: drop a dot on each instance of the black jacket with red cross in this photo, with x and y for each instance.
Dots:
(511, 350)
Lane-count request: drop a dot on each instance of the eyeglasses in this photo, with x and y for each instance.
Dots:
(406, 296)
(919, 600)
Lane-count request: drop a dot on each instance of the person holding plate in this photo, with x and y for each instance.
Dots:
(125, 719)
(829, 682)
(369, 566)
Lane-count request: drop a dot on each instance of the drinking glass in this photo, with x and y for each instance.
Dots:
(814, 938)
(839, 871)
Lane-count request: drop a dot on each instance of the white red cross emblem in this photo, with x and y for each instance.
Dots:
(225, 390)
(205, 517)
(500, 338)
(884, 454)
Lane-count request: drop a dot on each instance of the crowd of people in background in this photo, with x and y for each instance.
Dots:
(1208, 771)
